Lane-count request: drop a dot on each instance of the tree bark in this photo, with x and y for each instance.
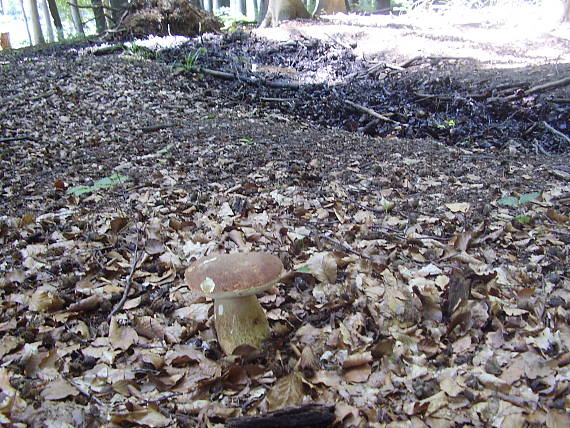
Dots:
(99, 15)
(26, 21)
(47, 19)
(56, 19)
(281, 10)
(118, 8)
(330, 6)
(37, 34)
(382, 5)
(76, 18)
(566, 13)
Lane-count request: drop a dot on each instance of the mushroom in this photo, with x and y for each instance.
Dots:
(233, 280)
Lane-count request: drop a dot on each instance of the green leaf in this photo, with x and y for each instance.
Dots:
(523, 219)
(110, 181)
(509, 201)
(104, 183)
(304, 269)
(528, 197)
(79, 190)
(165, 149)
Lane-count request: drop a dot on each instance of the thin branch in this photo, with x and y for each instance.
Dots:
(16, 138)
(548, 85)
(137, 256)
(372, 113)
(344, 246)
(556, 132)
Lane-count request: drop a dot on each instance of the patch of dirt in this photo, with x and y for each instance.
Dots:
(431, 279)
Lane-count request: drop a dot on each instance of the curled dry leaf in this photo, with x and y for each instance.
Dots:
(88, 304)
(45, 299)
(121, 337)
(288, 391)
(148, 416)
(59, 389)
(118, 223)
(149, 327)
(322, 266)
(154, 246)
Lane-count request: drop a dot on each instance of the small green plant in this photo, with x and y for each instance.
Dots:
(192, 58)
(448, 124)
(513, 201)
(247, 141)
(141, 51)
(523, 219)
(104, 183)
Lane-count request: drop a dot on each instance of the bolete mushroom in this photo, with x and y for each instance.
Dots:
(233, 280)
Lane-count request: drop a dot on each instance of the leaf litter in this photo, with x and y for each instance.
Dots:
(418, 297)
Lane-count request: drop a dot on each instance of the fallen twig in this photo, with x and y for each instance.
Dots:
(548, 85)
(409, 62)
(250, 80)
(556, 132)
(372, 113)
(538, 88)
(16, 138)
(137, 256)
(344, 246)
(158, 127)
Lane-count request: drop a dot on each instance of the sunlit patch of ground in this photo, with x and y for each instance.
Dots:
(507, 36)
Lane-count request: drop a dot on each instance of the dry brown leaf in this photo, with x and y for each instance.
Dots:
(154, 246)
(118, 223)
(148, 416)
(323, 267)
(356, 360)
(121, 336)
(91, 303)
(358, 374)
(458, 207)
(45, 299)
(288, 391)
(59, 389)
(149, 327)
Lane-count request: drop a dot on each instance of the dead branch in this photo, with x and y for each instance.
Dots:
(158, 127)
(251, 80)
(308, 415)
(343, 246)
(16, 138)
(560, 100)
(137, 257)
(548, 85)
(556, 132)
(419, 58)
(372, 113)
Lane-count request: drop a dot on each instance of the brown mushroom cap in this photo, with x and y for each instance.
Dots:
(232, 275)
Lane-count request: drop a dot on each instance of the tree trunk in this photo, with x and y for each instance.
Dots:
(38, 36)
(208, 5)
(382, 6)
(330, 6)
(1, 7)
(76, 18)
(281, 10)
(47, 19)
(26, 21)
(118, 8)
(99, 15)
(56, 19)
(566, 14)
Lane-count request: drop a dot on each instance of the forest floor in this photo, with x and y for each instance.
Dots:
(432, 283)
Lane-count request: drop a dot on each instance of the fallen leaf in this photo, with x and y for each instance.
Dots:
(121, 337)
(458, 207)
(288, 391)
(59, 389)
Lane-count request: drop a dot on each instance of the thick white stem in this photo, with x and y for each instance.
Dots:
(240, 321)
